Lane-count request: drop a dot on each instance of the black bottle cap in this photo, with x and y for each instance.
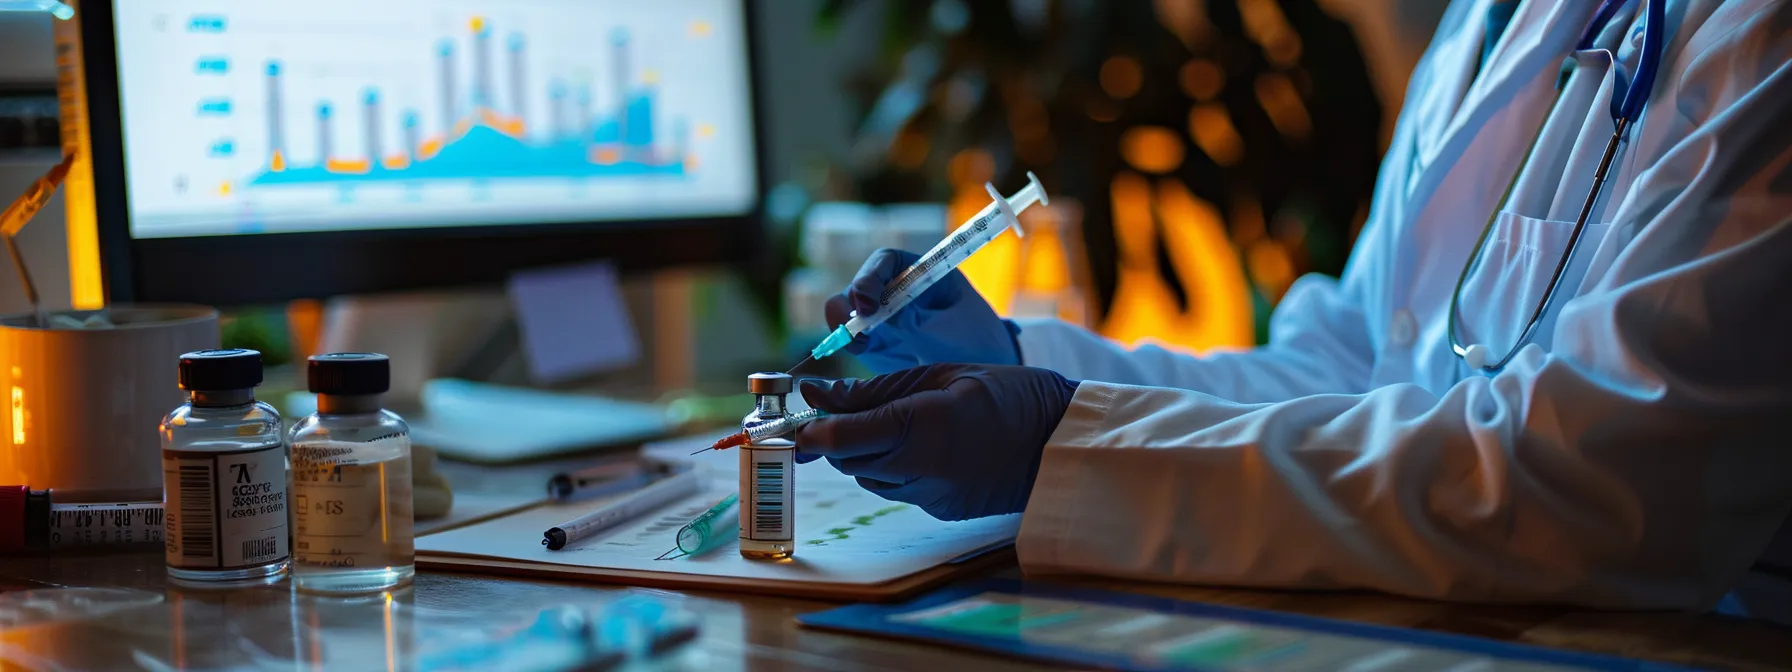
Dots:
(349, 373)
(213, 370)
(769, 382)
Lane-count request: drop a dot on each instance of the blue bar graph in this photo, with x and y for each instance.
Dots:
(323, 133)
(276, 127)
(478, 137)
(519, 95)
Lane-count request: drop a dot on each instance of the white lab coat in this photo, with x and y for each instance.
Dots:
(1636, 454)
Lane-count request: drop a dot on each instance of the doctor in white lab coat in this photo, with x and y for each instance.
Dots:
(1636, 452)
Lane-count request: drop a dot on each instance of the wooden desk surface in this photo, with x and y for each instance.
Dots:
(156, 625)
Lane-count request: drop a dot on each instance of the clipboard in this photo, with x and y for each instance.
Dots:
(850, 544)
(905, 587)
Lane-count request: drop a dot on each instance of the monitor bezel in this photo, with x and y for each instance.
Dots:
(234, 270)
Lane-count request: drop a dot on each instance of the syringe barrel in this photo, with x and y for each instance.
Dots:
(782, 426)
(692, 537)
(948, 254)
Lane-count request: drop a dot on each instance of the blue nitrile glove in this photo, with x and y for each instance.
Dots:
(950, 322)
(958, 440)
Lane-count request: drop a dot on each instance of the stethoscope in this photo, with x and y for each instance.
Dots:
(1627, 106)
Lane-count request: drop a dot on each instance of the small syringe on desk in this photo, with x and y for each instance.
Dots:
(41, 523)
(766, 430)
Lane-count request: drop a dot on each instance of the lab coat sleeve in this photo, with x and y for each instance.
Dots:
(1318, 344)
(1643, 463)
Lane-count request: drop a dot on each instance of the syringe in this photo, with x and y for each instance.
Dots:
(939, 261)
(765, 430)
(696, 535)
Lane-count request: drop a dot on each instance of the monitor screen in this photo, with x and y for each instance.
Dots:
(336, 115)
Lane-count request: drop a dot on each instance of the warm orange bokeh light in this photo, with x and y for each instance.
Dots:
(1202, 79)
(1279, 98)
(991, 270)
(1247, 221)
(1211, 127)
(970, 167)
(1153, 149)
(1271, 268)
(1206, 264)
(1121, 76)
(1045, 266)
(1283, 49)
(305, 326)
(908, 150)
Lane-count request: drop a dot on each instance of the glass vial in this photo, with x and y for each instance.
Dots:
(224, 474)
(351, 489)
(767, 476)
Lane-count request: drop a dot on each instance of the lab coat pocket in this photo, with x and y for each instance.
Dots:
(1511, 276)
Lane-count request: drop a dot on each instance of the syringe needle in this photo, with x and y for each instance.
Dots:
(800, 364)
(778, 427)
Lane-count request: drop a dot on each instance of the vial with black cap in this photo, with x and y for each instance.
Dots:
(767, 476)
(224, 474)
(351, 491)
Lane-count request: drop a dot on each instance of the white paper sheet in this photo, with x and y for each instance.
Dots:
(843, 534)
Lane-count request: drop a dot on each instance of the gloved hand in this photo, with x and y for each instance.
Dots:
(958, 440)
(950, 322)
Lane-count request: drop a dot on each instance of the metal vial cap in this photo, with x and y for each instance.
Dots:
(769, 383)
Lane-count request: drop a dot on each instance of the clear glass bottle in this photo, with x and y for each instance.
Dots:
(767, 476)
(224, 474)
(351, 490)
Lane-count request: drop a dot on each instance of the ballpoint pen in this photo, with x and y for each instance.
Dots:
(661, 493)
(605, 479)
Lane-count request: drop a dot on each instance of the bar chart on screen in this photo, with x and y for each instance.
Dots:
(335, 114)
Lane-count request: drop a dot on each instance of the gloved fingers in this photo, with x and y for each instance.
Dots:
(856, 434)
(906, 493)
(884, 466)
(945, 292)
(838, 310)
(868, 284)
(850, 395)
(805, 458)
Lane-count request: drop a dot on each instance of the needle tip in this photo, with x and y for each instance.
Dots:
(799, 365)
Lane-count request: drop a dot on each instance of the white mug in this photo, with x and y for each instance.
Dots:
(85, 404)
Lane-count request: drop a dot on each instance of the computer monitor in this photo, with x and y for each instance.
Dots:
(252, 151)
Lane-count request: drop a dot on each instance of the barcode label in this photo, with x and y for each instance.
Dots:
(260, 549)
(768, 497)
(198, 527)
(766, 493)
(224, 510)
